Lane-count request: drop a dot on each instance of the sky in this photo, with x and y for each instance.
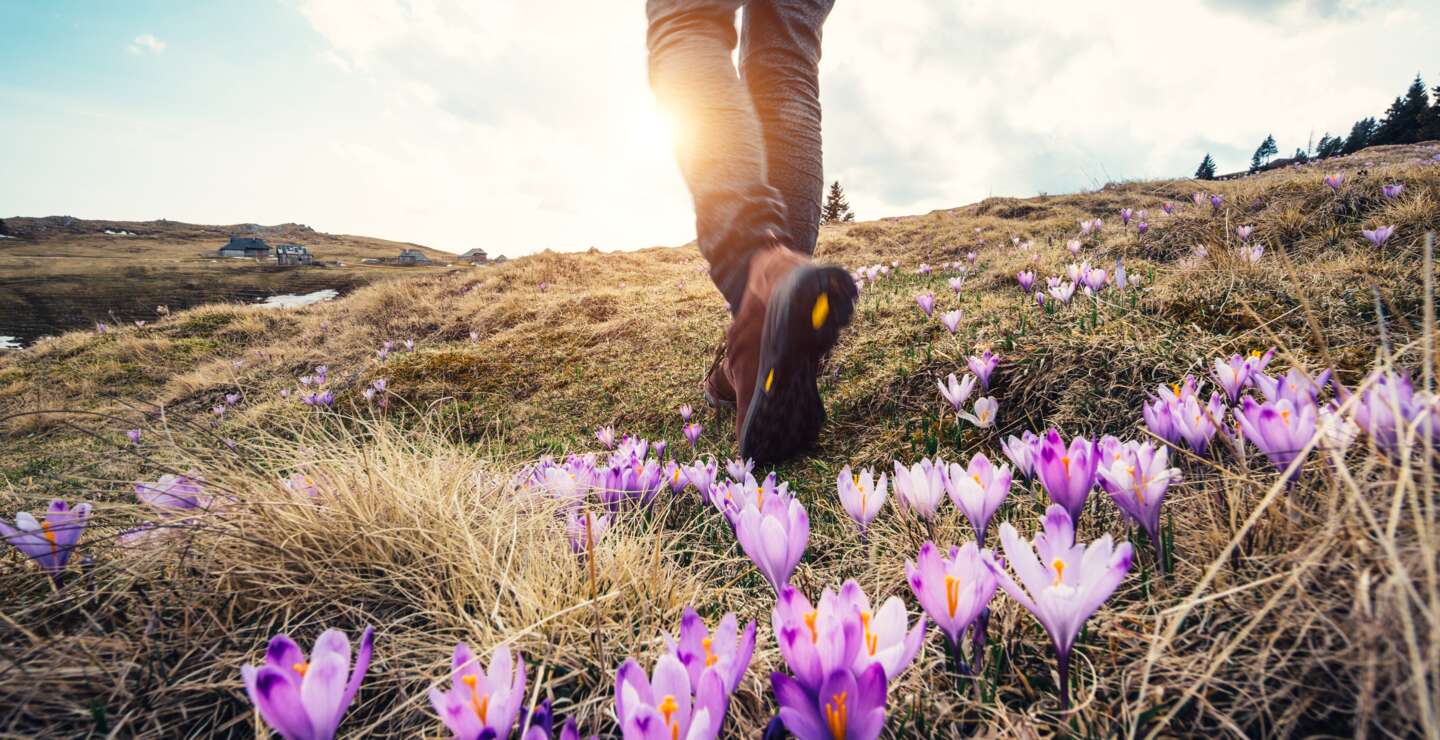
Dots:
(517, 125)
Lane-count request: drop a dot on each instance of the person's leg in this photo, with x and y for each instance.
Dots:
(780, 64)
(718, 143)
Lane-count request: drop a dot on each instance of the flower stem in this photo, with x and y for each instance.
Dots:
(1063, 661)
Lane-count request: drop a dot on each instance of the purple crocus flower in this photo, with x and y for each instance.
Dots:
(956, 284)
(970, 257)
(924, 269)
(1167, 207)
(584, 530)
(1039, 299)
(217, 410)
(726, 651)
(983, 365)
(844, 706)
(1138, 480)
(1085, 227)
(842, 633)
(1244, 232)
(1378, 235)
(1215, 201)
(606, 437)
(50, 542)
(1198, 423)
(774, 537)
(701, 474)
(409, 345)
(101, 328)
(1061, 582)
(1281, 429)
(861, 495)
(305, 700)
(674, 474)
(950, 320)
(1159, 416)
(919, 487)
(1335, 181)
(1389, 409)
(692, 432)
(1392, 191)
(686, 411)
(1142, 227)
(302, 483)
(667, 704)
(1125, 215)
(540, 724)
(1296, 385)
(1198, 197)
(232, 398)
(133, 435)
(956, 392)
(173, 493)
(954, 590)
(1068, 475)
(1020, 450)
(738, 469)
(481, 703)
(1026, 278)
(1233, 375)
(1095, 279)
(985, 410)
(926, 301)
(1062, 292)
(978, 490)
(1074, 245)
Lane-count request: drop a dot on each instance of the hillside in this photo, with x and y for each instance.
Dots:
(1289, 610)
(59, 273)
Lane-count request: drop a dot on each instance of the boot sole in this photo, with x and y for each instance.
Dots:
(786, 413)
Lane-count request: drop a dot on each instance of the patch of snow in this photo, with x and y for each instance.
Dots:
(121, 232)
(2, 236)
(291, 300)
(9, 342)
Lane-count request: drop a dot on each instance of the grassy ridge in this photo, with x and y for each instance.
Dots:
(1286, 613)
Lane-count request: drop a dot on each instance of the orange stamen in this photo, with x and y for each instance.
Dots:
(50, 536)
(952, 594)
(810, 622)
(871, 639)
(710, 657)
(300, 668)
(837, 715)
(1059, 566)
(480, 703)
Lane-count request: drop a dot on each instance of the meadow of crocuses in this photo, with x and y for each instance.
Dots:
(1155, 460)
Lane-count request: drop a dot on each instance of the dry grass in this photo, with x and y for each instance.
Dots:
(1300, 611)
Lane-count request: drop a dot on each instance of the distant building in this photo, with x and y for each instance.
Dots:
(413, 257)
(475, 256)
(292, 254)
(244, 246)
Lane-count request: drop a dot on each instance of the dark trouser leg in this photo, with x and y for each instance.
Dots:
(780, 63)
(718, 137)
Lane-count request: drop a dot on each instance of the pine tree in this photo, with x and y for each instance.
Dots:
(1430, 126)
(1206, 170)
(1329, 146)
(1264, 153)
(1301, 156)
(1362, 134)
(1402, 121)
(836, 209)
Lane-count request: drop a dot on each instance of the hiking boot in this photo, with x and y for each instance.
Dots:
(790, 316)
(719, 392)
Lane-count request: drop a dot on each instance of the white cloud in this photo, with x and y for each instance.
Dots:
(147, 44)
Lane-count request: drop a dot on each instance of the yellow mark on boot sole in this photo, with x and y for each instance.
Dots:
(821, 310)
(769, 380)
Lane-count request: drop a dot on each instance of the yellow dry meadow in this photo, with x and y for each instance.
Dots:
(1313, 609)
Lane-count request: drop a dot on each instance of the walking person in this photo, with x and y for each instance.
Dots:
(748, 145)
